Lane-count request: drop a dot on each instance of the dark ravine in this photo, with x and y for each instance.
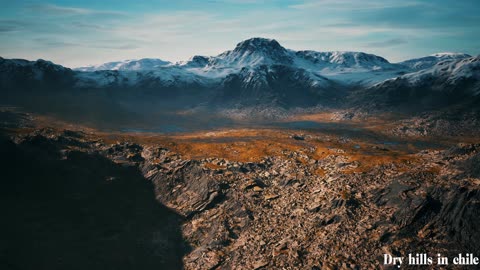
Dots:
(68, 209)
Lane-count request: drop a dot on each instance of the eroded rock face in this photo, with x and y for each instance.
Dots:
(292, 212)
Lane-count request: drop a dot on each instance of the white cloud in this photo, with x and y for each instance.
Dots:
(64, 10)
(350, 4)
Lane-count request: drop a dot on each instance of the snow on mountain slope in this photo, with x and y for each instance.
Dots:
(196, 61)
(348, 68)
(343, 61)
(254, 52)
(169, 76)
(278, 84)
(431, 60)
(444, 84)
(267, 76)
(344, 67)
(249, 54)
(445, 72)
(204, 66)
(260, 64)
(450, 74)
(141, 64)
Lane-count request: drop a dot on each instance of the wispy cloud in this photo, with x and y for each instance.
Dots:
(52, 9)
(116, 47)
(53, 42)
(88, 25)
(350, 4)
(11, 25)
(98, 44)
(241, 2)
(386, 43)
(82, 33)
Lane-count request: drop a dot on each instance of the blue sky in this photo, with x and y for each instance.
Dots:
(77, 33)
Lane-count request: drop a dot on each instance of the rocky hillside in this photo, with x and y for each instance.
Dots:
(306, 206)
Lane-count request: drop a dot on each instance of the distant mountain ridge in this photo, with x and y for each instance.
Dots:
(255, 52)
(344, 68)
(431, 60)
(447, 82)
(141, 64)
(256, 71)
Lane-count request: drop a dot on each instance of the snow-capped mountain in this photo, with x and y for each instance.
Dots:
(348, 68)
(254, 52)
(431, 60)
(260, 71)
(446, 73)
(18, 73)
(141, 64)
(250, 53)
(343, 67)
(196, 61)
(446, 83)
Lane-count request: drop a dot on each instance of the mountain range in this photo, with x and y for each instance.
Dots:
(260, 71)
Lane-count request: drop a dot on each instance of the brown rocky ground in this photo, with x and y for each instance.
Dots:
(249, 198)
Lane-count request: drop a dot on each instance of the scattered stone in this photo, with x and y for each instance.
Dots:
(298, 137)
(271, 197)
(257, 189)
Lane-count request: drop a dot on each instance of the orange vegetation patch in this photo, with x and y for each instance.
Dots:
(254, 145)
(244, 145)
(321, 152)
(366, 162)
(318, 117)
(251, 145)
(250, 151)
(335, 117)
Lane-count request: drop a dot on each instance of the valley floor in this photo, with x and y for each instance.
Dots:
(309, 192)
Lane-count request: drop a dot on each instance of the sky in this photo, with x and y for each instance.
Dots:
(77, 33)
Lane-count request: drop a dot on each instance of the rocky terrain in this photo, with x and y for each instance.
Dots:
(231, 199)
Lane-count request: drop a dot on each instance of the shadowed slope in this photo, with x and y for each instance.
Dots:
(80, 211)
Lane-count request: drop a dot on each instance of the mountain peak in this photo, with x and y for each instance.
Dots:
(257, 43)
(256, 51)
(196, 61)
